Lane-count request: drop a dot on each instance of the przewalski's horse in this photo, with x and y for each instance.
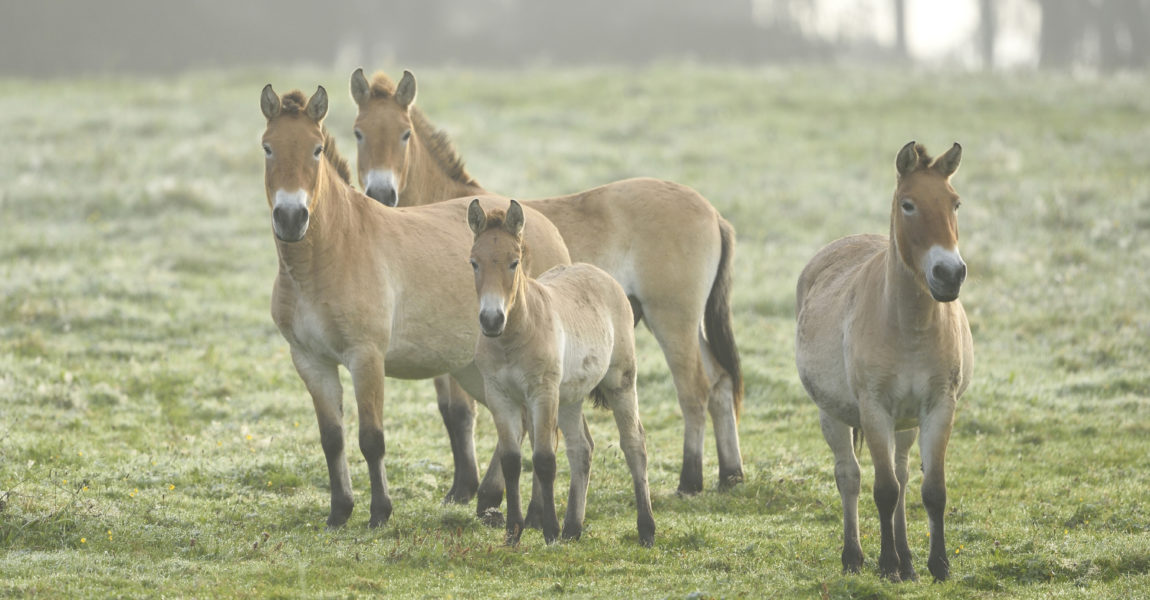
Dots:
(883, 348)
(380, 291)
(547, 344)
(664, 243)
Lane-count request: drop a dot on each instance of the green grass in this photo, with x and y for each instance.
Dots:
(155, 440)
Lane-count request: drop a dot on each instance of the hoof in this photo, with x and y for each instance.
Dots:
(380, 513)
(338, 516)
(908, 574)
(458, 496)
(491, 517)
(572, 531)
(852, 560)
(513, 533)
(730, 480)
(534, 518)
(646, 531)
(939, 567)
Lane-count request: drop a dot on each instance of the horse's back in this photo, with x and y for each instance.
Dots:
(595, 318)
(635, 228)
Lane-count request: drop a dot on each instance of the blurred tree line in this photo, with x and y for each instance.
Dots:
(60, 37)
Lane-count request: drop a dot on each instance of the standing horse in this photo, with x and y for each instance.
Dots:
(379, 291)
(547, 344)
(883, 347)
(664, 243)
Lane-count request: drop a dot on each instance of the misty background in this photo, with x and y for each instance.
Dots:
(59, 38)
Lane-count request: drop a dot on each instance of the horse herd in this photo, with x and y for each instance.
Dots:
(378, 282)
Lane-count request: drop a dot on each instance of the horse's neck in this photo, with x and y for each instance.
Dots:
(429, 182)
(304, 260)
(526, 316)
(909, 307)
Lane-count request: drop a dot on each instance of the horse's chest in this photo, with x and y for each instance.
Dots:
(311, 329)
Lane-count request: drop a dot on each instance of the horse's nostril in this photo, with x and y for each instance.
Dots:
(961, 275)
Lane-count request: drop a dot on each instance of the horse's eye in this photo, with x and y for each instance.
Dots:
(908, 207)
(318, 152)
(474, 265)
(514, 265)
(359, 136)
(267, 150)
(406, 136)
(957, 205)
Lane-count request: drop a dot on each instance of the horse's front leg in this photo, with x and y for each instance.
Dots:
(322, 380)
(366, 368)
(543, 404)
(458, 411)
(878, 431)
(934, 435)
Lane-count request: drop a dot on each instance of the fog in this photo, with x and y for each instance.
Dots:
(60, 38)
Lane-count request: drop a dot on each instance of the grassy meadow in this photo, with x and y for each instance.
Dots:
(156, 441)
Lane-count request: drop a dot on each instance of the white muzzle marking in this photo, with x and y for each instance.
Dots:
(945, 272)
(381, 185)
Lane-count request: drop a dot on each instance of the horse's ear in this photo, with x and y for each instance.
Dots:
(317, 104)
(947, 164)
(405, 91)
(476, 218)
(360, 88)
(270, 102)
(907, 159)
(514, 222)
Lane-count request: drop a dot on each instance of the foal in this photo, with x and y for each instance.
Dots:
(883, 348)
(547, 344)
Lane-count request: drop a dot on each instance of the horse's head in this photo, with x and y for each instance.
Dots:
(924, 220)
(495, 258)
(382, 130)
(294, 145)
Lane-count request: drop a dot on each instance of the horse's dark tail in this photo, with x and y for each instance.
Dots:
(857, 434)
(717, 316)
(599, 398)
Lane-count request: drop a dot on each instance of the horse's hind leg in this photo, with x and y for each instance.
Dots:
(632, 439)
(903, 441)
(847, 478)
(724, 418)
(676, 333)
(458, 411)
(322, 381)
(579, 447)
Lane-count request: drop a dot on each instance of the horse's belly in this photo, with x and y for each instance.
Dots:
(412, 360)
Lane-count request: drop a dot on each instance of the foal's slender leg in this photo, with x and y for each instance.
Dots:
(935, 431)
(903, 440)
(367, 375)
(458, 411)
(322, 381)
(878, 430)
(633, 440)
(839, 437)
(544, 407)
(509, 423)
(579, 446)
(721, 405)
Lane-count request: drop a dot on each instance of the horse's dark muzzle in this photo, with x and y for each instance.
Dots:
(384, 194)
(290, 223)
(946, 280)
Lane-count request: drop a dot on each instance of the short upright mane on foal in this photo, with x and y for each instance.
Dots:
(437, 142)
(294, 103)
(924, 159)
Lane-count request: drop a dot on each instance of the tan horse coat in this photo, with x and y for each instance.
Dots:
(664, 243)
(547, 344)
(883, 347)
(380, 291)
